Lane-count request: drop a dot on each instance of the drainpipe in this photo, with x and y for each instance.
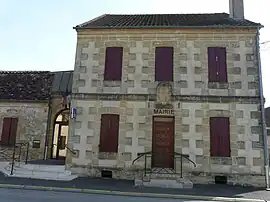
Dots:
(48, 129)
(264, 132)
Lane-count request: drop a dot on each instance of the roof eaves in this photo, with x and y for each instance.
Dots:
(171, 27)
(85, 23)
(25, 101)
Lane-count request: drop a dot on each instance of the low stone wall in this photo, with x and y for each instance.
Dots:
(243, 179)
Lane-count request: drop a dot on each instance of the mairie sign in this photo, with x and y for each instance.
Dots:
(163, 111)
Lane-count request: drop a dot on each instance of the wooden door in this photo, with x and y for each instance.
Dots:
(163, 142)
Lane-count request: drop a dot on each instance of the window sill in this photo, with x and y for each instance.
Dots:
(218, 85)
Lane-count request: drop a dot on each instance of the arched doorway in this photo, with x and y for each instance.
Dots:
(60, 135)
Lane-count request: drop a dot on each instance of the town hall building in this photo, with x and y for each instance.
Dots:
(155, 95)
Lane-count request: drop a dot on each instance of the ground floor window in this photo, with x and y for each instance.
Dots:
(220, 137)
(9, 131)
(109, 132)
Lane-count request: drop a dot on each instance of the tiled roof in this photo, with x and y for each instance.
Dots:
(25, 85)
(62, 82)
(166, 21)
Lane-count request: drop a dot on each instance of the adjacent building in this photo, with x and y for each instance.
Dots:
(163, 85)
(34, 113)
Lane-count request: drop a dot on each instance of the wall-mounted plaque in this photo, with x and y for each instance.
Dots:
(36, 144)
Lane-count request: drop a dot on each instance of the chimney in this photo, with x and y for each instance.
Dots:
(237, 9)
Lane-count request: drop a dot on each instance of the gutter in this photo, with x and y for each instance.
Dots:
(82, 27)
(264, 131)
(48, 129)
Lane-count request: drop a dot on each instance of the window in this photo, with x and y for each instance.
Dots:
(164, 64)
(217, 64)
(113, 64)
(9, 131)
(220, 137)
(109, 130)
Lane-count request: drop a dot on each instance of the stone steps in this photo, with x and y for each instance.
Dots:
(164, 181)
(47, 172)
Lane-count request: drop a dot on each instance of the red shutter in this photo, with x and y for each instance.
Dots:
(5, 131)
(220, 137)
(164, 64)
(222, 65)
(212, 65)
(109, 133)
(113, 64)
(217, 64)
(225, 145)
(114, 128)
(13, 131)
(214, 137)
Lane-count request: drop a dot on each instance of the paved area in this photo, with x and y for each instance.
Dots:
(127, 186)
(11, 195)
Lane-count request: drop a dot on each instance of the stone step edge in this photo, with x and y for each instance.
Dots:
(36, 169)
(66, 172)
(62, 178)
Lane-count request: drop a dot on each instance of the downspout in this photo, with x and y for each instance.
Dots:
(264, 132)
(48, 129)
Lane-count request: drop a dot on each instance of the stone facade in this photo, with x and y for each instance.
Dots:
(32, 123)
(194, 101)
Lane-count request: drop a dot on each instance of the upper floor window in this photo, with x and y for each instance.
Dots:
(217, 64)
(113, 64)
(164, 64)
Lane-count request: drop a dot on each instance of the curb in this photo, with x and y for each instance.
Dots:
(134, 194)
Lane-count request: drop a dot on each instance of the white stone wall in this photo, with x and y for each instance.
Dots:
(190, 63)
(32, 123)
(192, 134)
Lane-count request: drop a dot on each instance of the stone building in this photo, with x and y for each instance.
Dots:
(168, 85)
(31, 111)
(158, 94)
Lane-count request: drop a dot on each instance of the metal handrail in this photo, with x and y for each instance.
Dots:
(174, 155)
(21, 144)
(186, 157)
(73, 152)
(67, 149)
(141, 155)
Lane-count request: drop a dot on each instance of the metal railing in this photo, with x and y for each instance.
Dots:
(70, 150)
(18, 159)
(168, 156)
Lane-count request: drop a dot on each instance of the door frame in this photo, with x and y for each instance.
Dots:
(55, 122)
(173, 136)
(58, 139)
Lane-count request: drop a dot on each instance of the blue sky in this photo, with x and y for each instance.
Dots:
(38, 35)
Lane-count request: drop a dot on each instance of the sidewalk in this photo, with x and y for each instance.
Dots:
(104, 186)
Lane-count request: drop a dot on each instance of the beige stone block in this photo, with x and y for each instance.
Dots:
(89, 139)
(128, 141)
(127, 156)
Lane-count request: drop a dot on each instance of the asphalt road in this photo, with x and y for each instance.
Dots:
(15, 195)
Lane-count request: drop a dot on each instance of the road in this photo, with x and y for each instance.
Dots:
(15, 195)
